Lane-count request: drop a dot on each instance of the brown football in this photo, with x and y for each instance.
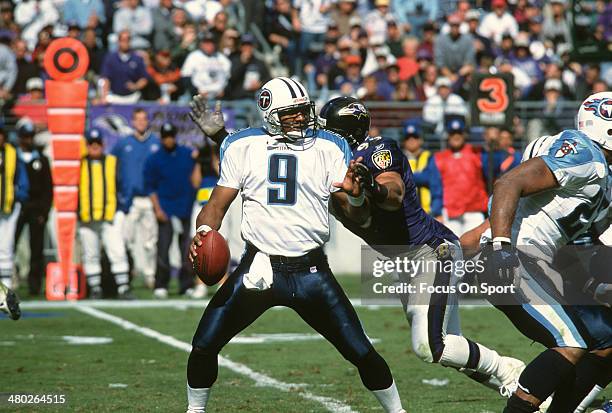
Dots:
(212, 258)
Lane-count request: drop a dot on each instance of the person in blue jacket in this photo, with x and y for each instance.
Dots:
(423, 165)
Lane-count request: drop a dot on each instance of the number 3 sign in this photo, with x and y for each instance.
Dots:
(492, 100)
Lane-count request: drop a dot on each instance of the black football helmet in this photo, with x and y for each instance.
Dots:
(347, 117)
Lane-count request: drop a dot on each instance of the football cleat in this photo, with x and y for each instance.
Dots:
(160, 293)
(9, 302)
(199, 291)
(508, 374)
(95, 293)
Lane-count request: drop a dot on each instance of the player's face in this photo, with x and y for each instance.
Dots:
(294, 121)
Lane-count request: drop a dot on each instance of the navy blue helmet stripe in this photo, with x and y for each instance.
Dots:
(300, 87)
(293, 95)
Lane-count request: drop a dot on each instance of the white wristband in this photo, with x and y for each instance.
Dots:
(497, 242)
(357, 201)
(203, 228)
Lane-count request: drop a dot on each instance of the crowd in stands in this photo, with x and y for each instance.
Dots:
(400, 50)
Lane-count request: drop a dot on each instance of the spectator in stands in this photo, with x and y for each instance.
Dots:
(166, 76)
(32, 103)
(94, 51)
(7, 19)
(463, 186)
(497, 157)
(523, 60)
(552, 71)
(369, 91)
(352, 75)
(513, 156)
(427, 41)
(26, 69)
(481, 43)
(341, 14)
(206, 71)
(442, 104)
(44, 40)
(407, 63)
(33, 16)
(123, 72)
(584, 84)
(137, 20)
(428, 88)
(454, 50)
(165, 35)
(376, 22)
(8, 66)
(281, 32)
(229, 44)
(11, 199)
(135, 215)
(219, 26)
(556, 26)
(97, 209)
(424, 169)
(415, 14)
(553, 97)
(35, 211)
(188, 43)
(394, 38)
(498, 22)
(85, 14)
(168, 183)
(309, 19)
(248, 73)
(324, 64)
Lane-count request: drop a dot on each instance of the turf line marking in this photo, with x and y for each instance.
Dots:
(260, 379)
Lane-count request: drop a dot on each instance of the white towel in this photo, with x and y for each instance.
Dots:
(259, 276)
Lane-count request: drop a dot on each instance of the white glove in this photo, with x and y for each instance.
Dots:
(209, 121)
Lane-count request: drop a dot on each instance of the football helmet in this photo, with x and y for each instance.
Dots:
(595, 118)
(280, 101)
(347, 117)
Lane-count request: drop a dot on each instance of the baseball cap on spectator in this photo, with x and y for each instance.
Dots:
(206, 37)
(72, 24)
(352, 59)
(429, 27)
(454, 19)
(93, 135)
(167, 130)
(34, 83)
(247, 38)
(26, 129)
(498, 3)
(443, 82)
(355, 21)
(521, 41)
(412, 129)
(537, 19)
(378, 3)
(553, 84)
(472, 15)
(391, 21)
(6, 34)
(456, 125)
(557, 1)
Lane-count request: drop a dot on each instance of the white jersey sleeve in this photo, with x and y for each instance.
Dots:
(231, 164)
(573, 164)
(339, 162)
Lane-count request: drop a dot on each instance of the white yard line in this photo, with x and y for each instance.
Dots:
(180, 304)
(260, 379)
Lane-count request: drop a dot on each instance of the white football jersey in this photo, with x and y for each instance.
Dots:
(555, 217)
(285, 188)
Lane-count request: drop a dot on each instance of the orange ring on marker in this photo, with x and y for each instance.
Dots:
(66, 59)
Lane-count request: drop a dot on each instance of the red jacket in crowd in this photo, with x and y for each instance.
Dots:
(462, 181)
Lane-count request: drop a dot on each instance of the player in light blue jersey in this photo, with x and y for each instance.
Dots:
(560, 189)
(286, 172)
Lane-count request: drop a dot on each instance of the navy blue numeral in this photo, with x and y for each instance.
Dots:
(575, 223)
(282, 170)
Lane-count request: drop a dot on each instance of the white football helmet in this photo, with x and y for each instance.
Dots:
(283, 96)
(595, 118)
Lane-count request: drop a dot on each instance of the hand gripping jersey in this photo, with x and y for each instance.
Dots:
(555, 217)
(285, 187)
(410, 225)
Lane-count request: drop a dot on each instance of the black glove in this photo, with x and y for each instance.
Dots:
(501, 263)
(377, 191)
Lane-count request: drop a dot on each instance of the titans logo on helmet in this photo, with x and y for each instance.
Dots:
(602, 108)
(354, 109)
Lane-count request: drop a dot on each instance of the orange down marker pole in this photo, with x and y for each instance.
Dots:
(66, 61)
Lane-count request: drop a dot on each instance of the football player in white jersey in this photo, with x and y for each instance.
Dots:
(560, 189)
(9, 302)
(286, 173)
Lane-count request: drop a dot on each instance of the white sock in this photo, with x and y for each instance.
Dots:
(197, 399)
(389, 399)
(94, 280)
(7, 281)
(457, 352)
(584, 404)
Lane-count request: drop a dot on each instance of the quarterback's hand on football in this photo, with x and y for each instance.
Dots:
(501, 263)
(196, 241)
(209, 121)
(351, 183)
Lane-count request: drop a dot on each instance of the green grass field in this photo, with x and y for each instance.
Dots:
(138, 373)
